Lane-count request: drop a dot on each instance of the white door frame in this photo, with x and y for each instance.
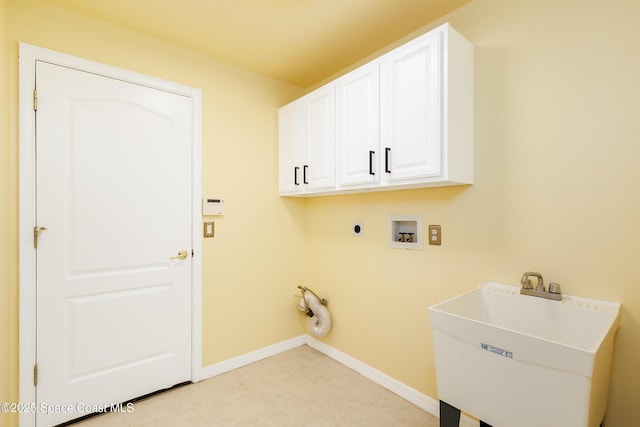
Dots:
(28, 56)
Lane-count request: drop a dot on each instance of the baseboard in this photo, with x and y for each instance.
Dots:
(251, 357)
(419, 399)
(408, 393)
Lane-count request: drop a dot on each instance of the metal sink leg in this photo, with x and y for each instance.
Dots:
(449, 415)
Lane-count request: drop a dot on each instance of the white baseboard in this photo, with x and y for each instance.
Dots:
(408, 393)
(419, 399)
(254, 356)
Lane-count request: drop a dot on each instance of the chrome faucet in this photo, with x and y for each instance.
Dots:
(539, 291)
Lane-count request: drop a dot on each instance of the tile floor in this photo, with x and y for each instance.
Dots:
(300, 387)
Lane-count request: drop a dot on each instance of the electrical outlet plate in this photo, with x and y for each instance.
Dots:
(435, 235)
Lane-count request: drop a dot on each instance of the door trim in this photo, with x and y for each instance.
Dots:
(29, 54)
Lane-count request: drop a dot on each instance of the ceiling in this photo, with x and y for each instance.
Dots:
(301, 42)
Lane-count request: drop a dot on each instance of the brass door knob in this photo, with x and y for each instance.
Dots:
(181, 255)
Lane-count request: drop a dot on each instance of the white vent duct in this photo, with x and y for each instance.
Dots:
(320, 321)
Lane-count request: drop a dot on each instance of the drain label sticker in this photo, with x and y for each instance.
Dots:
(496, 350)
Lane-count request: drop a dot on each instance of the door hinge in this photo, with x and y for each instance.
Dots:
(35, 375)
(35, 100)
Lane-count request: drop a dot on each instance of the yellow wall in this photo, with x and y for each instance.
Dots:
(5, 245)
(557, 143)
(253, 265)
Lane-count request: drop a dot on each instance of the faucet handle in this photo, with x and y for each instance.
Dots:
(554, 288)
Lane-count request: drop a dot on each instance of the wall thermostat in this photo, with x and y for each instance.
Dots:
(212, 206)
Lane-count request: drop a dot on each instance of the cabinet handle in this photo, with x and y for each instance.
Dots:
(371, 154)
(387, 150)
(295, 175)
(304, 174)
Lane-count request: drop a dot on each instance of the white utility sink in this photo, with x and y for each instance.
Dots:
(517, 360)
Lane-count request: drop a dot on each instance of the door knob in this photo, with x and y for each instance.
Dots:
(36, 234)
(181, 255)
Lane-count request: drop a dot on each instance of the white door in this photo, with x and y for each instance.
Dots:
(114, 194)
(410, 106)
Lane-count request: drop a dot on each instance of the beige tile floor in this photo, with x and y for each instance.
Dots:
(300, 387)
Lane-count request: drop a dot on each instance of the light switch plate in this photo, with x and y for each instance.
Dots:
(209, 228)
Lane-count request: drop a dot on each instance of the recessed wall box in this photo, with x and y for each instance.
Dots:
(212, 206)
(405, 231)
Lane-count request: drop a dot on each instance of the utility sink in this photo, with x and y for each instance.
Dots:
(517, 360)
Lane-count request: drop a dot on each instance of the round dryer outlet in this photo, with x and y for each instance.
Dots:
(357, 229)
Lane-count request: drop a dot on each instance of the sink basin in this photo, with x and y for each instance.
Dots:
(518, 360)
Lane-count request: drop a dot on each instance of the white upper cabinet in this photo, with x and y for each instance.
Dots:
(410, 110)
(307, 143)
(357, 127)
(319, 170)
(290, 133)
(404, 120)
(426, 111)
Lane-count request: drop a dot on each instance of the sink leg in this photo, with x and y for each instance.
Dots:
(449, 415)
(483, 424)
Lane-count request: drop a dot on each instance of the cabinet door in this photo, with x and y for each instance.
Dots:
(318, 168)
(410, 106)
(357, 127)
(291, 122)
